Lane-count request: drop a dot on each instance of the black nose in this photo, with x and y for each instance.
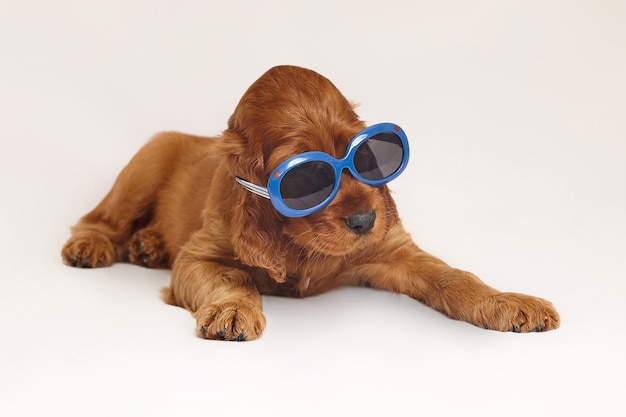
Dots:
(361, 223)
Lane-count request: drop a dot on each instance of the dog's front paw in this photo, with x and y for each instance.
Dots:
(88, 249)
(516, 313)
(232, 320)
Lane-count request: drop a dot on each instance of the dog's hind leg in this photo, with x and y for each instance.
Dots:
(103, 235)
(146, 248)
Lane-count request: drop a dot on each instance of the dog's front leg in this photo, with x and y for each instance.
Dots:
(223, 299)
(402, 267)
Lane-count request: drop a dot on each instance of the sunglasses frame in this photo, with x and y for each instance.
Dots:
(339, 165)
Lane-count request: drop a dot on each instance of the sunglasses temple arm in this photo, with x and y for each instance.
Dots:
(253, 188)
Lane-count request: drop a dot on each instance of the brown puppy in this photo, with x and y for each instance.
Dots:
(177, 205)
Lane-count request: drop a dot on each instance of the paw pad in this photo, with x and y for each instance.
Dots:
(88, 250)
(146, 248)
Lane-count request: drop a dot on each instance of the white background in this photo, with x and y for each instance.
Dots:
(516, 116)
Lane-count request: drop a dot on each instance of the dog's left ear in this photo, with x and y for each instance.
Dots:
(391, 212)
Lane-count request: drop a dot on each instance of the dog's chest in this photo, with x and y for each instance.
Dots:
(306, 275)
(314, 274)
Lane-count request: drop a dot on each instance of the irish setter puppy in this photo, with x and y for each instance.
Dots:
(200, 206)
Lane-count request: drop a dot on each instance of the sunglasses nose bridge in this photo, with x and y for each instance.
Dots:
(346, 163)
(344, 169)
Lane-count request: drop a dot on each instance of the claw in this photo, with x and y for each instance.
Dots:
(144, 258)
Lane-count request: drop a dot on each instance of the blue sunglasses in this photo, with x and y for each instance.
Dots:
(308, 182)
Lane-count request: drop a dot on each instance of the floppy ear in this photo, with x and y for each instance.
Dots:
(257, 237)
(391, 212)
(257, 229)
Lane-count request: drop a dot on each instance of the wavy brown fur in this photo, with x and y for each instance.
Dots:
(177, 205)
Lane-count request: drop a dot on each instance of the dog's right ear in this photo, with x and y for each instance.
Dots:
(257, 237)
(257, 228)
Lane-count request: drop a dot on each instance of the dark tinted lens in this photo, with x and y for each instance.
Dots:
(379, 156)
(307, 185)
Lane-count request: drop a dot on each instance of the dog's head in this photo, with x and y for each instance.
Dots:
(288, 111)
